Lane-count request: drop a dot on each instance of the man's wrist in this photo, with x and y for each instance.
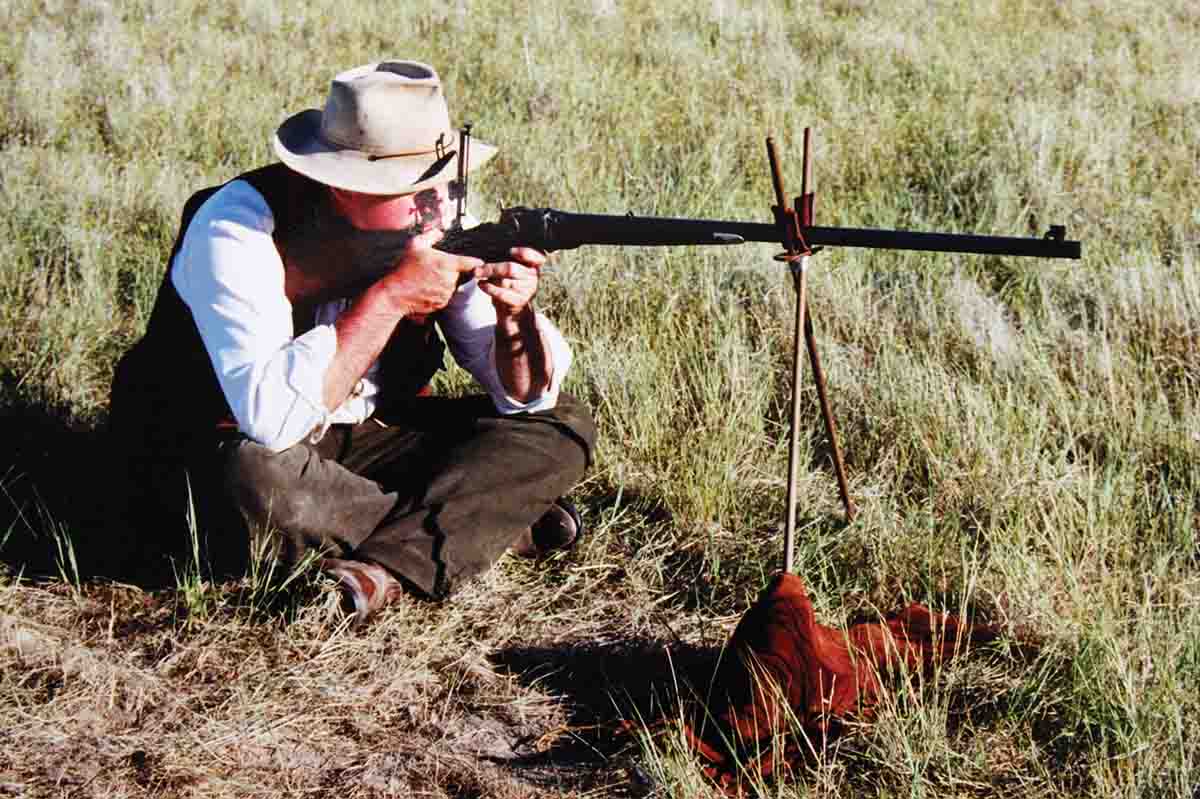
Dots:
(381, 299)
(512, 327)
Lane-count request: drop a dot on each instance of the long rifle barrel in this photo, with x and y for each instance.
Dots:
(548, 229)
(1053, 245)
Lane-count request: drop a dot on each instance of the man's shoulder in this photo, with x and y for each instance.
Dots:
(270, 194)
(286, 192)
(273, 175)
(222, 199)
(275, 182)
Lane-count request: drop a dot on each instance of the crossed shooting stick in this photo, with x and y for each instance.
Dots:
(801, 240)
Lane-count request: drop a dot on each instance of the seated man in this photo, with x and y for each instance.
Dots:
(283, 380)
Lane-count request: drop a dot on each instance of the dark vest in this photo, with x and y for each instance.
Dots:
(165, 391)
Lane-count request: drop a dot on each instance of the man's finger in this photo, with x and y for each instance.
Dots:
(466, 263)
(493, 271)
(506, 269)
(510, 297)
(529, 256)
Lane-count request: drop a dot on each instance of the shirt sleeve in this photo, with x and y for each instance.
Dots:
(230, 275)
(469, 325)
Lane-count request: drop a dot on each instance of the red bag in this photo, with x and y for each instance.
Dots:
(781, 665)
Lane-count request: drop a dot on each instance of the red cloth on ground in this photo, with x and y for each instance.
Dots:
(780, 664)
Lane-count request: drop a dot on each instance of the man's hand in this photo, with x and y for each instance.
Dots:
(422, 282)
(424, 279)
(512, 284)
(522, 356)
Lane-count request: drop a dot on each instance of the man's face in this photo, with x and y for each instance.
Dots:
(431, 209)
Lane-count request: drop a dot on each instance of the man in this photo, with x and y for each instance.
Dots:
(283, 377)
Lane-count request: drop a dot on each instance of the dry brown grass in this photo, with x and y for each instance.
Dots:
(114, 689)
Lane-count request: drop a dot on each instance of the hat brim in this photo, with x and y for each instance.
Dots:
(299, 146)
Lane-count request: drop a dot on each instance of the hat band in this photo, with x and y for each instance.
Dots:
(440, 149)
(441, 154)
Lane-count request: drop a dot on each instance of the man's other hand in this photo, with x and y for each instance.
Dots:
(512, 284)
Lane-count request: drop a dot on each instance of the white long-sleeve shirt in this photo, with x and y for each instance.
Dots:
(230, 275)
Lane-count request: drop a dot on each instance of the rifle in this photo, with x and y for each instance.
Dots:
(548, 230)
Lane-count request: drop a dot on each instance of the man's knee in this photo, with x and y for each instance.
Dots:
(574, 421)
(263, 484)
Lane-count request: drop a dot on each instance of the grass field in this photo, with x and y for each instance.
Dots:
(1022, 436)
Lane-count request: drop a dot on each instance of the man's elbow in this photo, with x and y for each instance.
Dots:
(271, 437)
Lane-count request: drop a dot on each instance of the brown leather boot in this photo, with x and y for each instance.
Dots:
(366, 587)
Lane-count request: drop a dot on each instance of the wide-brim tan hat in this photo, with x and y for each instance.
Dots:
(385, 129)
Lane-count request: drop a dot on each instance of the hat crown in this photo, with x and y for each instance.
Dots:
(385, 129)
(390, 108)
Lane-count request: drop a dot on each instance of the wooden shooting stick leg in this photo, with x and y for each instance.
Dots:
(838, 466)
(799, 267)
(796, 255)
(804, 209)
